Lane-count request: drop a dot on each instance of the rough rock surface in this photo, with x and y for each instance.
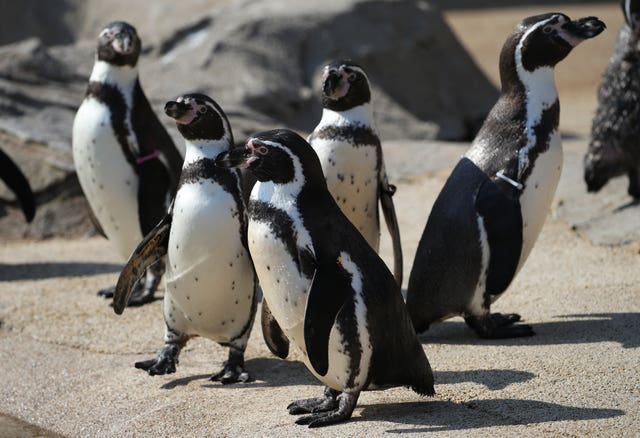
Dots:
(260, 60)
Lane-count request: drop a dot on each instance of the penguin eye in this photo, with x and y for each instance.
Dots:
(547, 29)
(202, 109)
(262, 150)
(351, 77)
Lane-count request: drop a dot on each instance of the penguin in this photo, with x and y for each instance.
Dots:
(614, 148)
(491, 209)
(127, 164)
(351, 155)
(327, 291)
(210, 281)
(18, 184)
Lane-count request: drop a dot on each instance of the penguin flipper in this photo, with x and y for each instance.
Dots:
(274, 337)
(19, 185)
(503, 223)
(388, 210)
(330, 287)
(152, 248)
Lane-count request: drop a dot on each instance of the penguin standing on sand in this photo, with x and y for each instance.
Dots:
(327, 290)
(351, 155)
(614, 148)
(487, 217)
(18, 184)
(210, 280)
(126, 162)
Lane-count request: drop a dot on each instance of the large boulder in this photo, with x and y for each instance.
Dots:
(260, 60)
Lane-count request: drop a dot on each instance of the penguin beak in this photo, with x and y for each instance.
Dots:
(335, 83)
(237, 157)
(576, 31)
(123, 43)
(181, 111)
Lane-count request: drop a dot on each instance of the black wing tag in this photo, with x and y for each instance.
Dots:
(153, 247)
(274, 337)
(503, 222)
(330, 287)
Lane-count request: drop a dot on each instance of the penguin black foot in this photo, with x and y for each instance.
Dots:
(499, 326)
(141, 296)
(233, 370)
(346, 405)
(164, 363)
(326, 403)
(107, 292)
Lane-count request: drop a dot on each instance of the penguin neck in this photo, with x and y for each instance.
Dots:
(359, 115)
(196, 150)
(124, 77)
(540, 95)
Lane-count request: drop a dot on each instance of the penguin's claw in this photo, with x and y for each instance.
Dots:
(499, 326)
(107, 292)
(343, 409)
(312, 405)
(164, 363)
(231, 374)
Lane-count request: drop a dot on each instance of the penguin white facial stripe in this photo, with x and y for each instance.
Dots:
(541, 94)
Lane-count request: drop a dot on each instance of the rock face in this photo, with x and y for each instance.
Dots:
(260, 60)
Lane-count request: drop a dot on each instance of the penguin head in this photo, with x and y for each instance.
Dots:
(543, 41)
(280, 156)
(119, 44)
(631, 10)
(199, 117)
(344, 86)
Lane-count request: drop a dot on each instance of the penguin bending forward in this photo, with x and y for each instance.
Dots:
(327, 290)
(351, 155)
(210, 279)
(127, 164)
(487, 217)
(15, 180)
(614, 148)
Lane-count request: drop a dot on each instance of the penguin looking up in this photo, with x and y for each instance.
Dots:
(614, 148)
(210, 282)
(351, 155)
(327, 290)
(127, 164)
(15, 180)
(490, 212)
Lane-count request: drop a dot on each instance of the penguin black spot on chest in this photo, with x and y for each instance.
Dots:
(281, 225)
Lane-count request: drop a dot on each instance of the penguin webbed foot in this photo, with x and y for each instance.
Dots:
(164, 363)
(328, 402)
(499, 326)
(346, 403)
(107, 292)
(233, 370)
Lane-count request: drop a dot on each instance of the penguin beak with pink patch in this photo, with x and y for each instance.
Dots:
(242, 158)
(576, 31)
(184, 111)
(336, 81)
(119, 44)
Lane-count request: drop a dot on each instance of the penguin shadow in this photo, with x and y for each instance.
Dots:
(622, 328)
(44, 270)
(494, 380)
(440, 415)
(264, 372)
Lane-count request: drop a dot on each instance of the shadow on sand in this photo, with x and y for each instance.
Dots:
(439, 415)
(44, 270)
(567, 329)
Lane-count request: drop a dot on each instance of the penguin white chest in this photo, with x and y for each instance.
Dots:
(107, 179)
(209, 273)
(537, 195)
(352, 178)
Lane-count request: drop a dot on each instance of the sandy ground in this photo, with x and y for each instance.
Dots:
(68, 359)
